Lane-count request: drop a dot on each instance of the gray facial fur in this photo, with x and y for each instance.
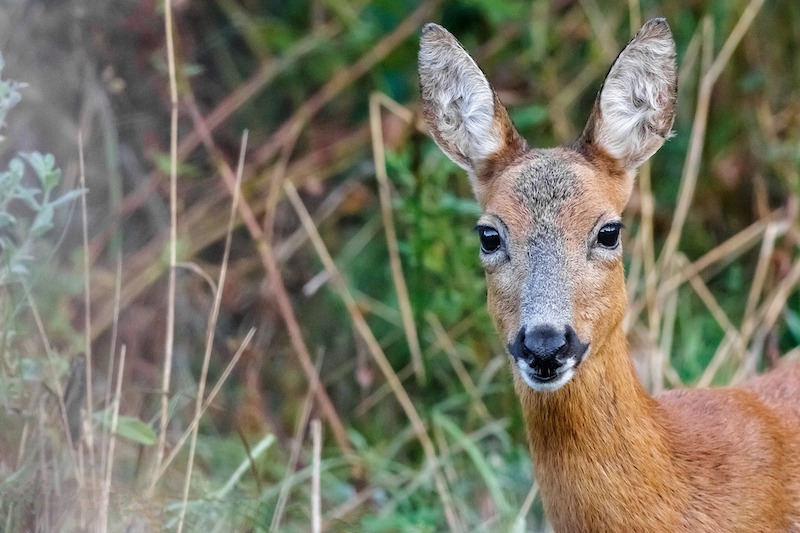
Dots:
(546, 297)
(544, 184)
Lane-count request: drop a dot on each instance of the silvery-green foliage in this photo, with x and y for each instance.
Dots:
(27, 204)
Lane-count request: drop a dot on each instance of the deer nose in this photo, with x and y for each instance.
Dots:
(545, 344)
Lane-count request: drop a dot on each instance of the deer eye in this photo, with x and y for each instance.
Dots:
(608, 236)
(490, 239)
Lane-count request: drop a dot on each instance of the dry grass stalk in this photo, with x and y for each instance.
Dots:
(208, 401)
(692, 164)
(283, 302)
(376, 101)
(316, 498)
(212, 329)
(525, 508)
(374, 348)
(173, 240)
(294, 455)
(112, 441)
(87, 325)
(105, 462)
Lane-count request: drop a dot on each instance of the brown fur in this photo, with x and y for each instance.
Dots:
(609, 457)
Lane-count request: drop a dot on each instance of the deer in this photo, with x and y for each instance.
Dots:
(606, 454)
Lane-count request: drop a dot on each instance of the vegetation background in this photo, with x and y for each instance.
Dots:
(334, 330)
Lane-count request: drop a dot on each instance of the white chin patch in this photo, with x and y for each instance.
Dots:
(565, 373)
(545, 386)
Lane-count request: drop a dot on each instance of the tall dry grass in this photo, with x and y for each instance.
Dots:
(319, 273)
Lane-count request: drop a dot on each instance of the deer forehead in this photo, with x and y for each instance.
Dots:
(552, 189)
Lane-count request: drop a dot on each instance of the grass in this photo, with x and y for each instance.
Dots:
(329, 363)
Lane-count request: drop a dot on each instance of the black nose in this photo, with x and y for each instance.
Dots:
(546, 345)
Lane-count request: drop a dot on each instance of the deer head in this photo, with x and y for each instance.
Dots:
(550, 229)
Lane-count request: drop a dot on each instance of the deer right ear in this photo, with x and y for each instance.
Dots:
(462, 112)
(634, 112)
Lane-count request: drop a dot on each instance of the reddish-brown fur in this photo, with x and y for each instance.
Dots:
(607, 456)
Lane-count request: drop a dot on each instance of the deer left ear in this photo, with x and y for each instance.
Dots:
(635, 109)
(462, 111)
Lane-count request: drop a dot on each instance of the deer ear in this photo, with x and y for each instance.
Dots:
(462, 112)
(635, 109)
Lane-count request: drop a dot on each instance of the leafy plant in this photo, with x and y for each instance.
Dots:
(26, 206)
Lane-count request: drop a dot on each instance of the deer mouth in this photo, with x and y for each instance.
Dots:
(545, 374)
(550, 376)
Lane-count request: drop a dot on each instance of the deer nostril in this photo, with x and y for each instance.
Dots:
(544, 342)
(545, 346)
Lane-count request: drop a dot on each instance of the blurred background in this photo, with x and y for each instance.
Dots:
(350, 290)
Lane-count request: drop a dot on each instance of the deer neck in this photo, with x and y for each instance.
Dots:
(599, 452)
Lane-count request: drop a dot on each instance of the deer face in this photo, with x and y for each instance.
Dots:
(550, 246)
(550, 230)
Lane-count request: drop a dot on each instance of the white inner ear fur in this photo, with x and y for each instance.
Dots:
(638, 97)
(459, 97)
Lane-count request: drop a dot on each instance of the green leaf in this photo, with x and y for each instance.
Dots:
(128, 427)
(43, 221)
(28, 195)
(792, 323)
(485, 470)
(164, 164)
(136, 430)
(45, 167)
(68, 197)
(10, 179)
